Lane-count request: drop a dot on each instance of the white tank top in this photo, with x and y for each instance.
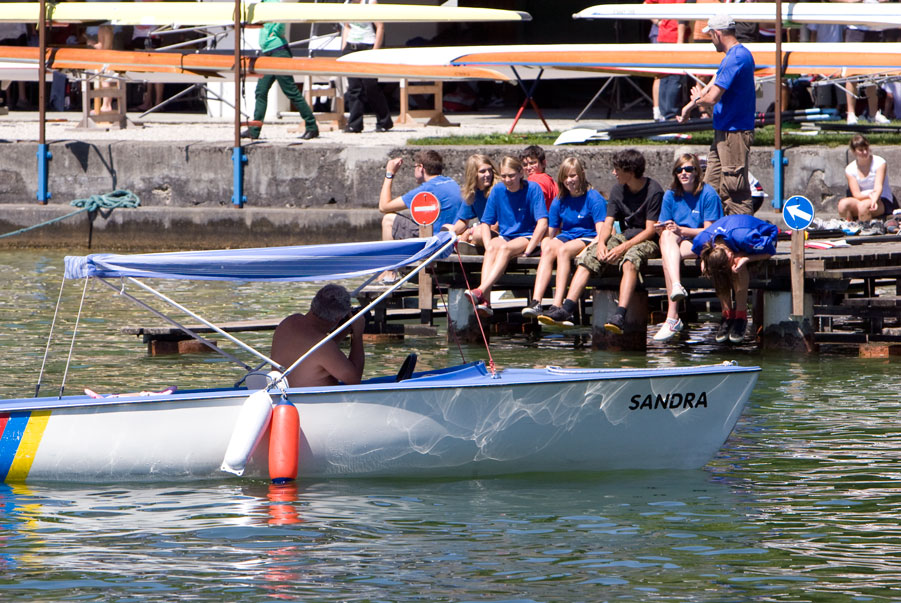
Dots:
(360, 33)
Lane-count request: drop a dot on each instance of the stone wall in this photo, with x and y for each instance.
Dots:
(332, 177)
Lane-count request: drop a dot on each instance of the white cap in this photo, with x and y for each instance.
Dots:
(719, 22)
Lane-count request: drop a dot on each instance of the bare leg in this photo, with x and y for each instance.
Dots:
(627, 283)
(578, 284)
(740, 282)
(565, 256)
(497, 255)
(549, 251)
(387, 226)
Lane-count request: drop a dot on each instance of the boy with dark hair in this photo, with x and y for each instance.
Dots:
(534, 164)
(635, 203)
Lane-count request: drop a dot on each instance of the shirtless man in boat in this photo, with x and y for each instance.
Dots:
(299, 332)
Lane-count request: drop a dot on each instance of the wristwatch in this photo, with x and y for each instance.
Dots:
(389, 175)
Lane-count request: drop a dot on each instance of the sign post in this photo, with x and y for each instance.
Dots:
(425, 209)
(797, 213)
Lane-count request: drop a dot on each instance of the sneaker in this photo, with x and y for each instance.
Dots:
(851, 228)
(722, 333)
(533, 310)
(879, 118)
(248, 134)
(873, 227)
(555, 315)
(737, 331)
(852, 119)
(615, 323)
(668, 330)
(484, 309)
(475, 295)
(657, 115)
(892, 225)
(679, 293)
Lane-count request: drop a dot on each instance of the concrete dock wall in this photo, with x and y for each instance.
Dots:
(295, 194)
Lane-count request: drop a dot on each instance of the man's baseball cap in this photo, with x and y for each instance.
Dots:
(719, 22)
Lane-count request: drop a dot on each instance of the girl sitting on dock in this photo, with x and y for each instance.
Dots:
(726, 247)
(575, 218)
(689, 206)
(870, 194)
(478, 180)
(517, 208)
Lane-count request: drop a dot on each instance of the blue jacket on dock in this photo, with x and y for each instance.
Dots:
(741, 233)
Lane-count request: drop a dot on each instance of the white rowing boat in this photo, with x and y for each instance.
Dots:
(458, 421)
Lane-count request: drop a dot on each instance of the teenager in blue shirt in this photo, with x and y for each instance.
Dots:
(689, 206)
(517, 207)
(726, 248)
(479, 178)
(575, 218)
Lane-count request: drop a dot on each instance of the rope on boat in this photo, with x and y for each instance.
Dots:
(114, 200)
(491, 365)
(37, 387)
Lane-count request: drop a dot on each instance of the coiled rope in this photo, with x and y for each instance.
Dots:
(116, 199)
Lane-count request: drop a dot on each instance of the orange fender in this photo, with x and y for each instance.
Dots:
(283, 438)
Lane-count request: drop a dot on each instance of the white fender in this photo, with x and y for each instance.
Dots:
(249, 428)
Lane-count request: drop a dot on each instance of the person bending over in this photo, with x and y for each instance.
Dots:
(517, 208)
(635, 203)
(328, 365)
(575, 218)
(689, 206)
(726, 247)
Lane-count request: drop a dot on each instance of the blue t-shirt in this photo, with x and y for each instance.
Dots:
(691, 210)
(576, 217)
(448, 194)
(468, 212)
(735, 110)
(741, 233)
(517, 213)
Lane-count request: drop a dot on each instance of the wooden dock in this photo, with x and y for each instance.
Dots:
(853, 298)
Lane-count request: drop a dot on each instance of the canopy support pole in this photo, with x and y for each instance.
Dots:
(202, 320)
(174, 322)
(339, 329)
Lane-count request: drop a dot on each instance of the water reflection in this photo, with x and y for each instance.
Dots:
(800, 505)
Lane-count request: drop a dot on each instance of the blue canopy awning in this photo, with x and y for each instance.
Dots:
(295, 263)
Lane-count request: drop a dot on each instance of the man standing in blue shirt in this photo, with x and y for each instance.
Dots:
(731, 95)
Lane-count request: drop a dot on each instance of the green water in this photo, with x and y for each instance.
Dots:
(802, 503)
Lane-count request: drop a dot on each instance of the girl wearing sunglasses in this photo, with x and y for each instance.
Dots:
(689, 206)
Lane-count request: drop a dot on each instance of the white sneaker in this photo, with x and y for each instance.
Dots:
(668, 330)
(852, 119)
(879, 118)
(657, 115)
(679, 293)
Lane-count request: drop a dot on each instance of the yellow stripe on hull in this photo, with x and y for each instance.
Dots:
(28, 447)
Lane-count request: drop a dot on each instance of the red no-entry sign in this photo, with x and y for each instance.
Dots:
(425, 208)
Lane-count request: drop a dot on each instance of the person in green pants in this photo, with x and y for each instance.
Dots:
(274, 44)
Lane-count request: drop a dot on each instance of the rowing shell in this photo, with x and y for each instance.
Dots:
(832, 60)
(872, 15)
(191, 66)
(223, 13)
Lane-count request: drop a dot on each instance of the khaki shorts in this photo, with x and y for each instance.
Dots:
(637, 254)
(727, 170)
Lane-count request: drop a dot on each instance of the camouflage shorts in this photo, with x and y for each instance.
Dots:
(637, 254)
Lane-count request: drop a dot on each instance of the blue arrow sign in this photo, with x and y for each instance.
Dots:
(797, 213)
